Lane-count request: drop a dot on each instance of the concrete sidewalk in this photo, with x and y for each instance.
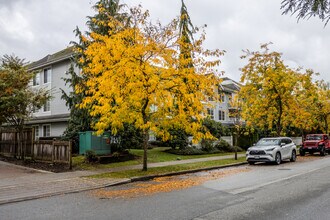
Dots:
(20, 183)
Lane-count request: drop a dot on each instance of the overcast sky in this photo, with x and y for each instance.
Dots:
(31, 29)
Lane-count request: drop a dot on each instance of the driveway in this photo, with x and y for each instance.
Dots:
(19, 183)
(8, 170)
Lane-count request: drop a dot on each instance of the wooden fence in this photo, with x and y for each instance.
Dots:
(9, 142)
(52, 151)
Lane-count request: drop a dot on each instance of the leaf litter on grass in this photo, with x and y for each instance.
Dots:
(167, 184)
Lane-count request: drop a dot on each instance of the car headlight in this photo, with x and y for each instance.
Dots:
(271, 149)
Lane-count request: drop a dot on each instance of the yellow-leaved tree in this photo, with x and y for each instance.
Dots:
(135, 76)
(322, 106)
(275, 97)
(305, 95)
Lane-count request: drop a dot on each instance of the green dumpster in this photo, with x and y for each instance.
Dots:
(98, 143)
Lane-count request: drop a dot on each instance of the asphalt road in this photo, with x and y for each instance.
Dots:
(298, 190)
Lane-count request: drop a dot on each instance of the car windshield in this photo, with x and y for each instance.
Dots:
(314, 137)
(268, 142)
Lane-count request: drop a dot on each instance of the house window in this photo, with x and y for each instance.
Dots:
(36, 79)
(222, 97)
(210, 113)
(36, 132)
(47, 75)
(222, 115)
(47, 106)
(46, 130)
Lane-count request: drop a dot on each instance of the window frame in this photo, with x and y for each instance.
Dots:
(46, 107)
(36, 132)
(210, 113)
(47, 74)
(222, 115)
(36, 80)
(43, 130)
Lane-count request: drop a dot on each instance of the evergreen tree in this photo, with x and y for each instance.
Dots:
(80, 120)
(186, 31)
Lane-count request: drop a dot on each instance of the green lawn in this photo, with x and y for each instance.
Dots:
(158, 154)
(155, 155)
(168, 169)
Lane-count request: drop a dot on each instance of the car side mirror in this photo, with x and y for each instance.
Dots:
(254, 144)
(282, 144)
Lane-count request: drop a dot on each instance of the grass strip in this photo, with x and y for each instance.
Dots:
(155, 155)
(168, 169)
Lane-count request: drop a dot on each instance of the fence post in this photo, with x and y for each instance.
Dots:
(32, 143)
(70, 155)
(53, 150)
(16, 149)
(0, 140)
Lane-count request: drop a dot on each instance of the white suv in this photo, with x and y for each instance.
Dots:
(272, 150)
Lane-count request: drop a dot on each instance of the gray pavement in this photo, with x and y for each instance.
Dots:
(19, 183)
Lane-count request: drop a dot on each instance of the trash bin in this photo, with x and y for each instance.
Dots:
(98, 143)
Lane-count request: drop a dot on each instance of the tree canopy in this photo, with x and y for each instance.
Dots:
(133, 76)
(321, 109)
(307, 8)
(17, 98)
(80, 120)
(276, 97)
(186, 32)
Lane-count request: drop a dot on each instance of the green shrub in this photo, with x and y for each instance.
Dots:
(215, 128)
(224, 146)
(207, 145)
(186, 151)
(90, 156)
(179, 139)
(129, 138)
(156, 143)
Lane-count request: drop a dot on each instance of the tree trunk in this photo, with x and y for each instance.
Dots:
(326, 127)
(235, 145)
(145, 135)
(280, 113)
(145, 150)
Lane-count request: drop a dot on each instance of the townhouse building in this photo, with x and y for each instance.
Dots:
(220, 110)
(52, 119)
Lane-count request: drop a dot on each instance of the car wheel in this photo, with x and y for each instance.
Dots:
(293, 156)
(278, 158)
(322, 152)
(302, 153)
(251, 163)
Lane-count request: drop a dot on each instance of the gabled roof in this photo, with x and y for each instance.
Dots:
(229, 85)
(52, 58)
